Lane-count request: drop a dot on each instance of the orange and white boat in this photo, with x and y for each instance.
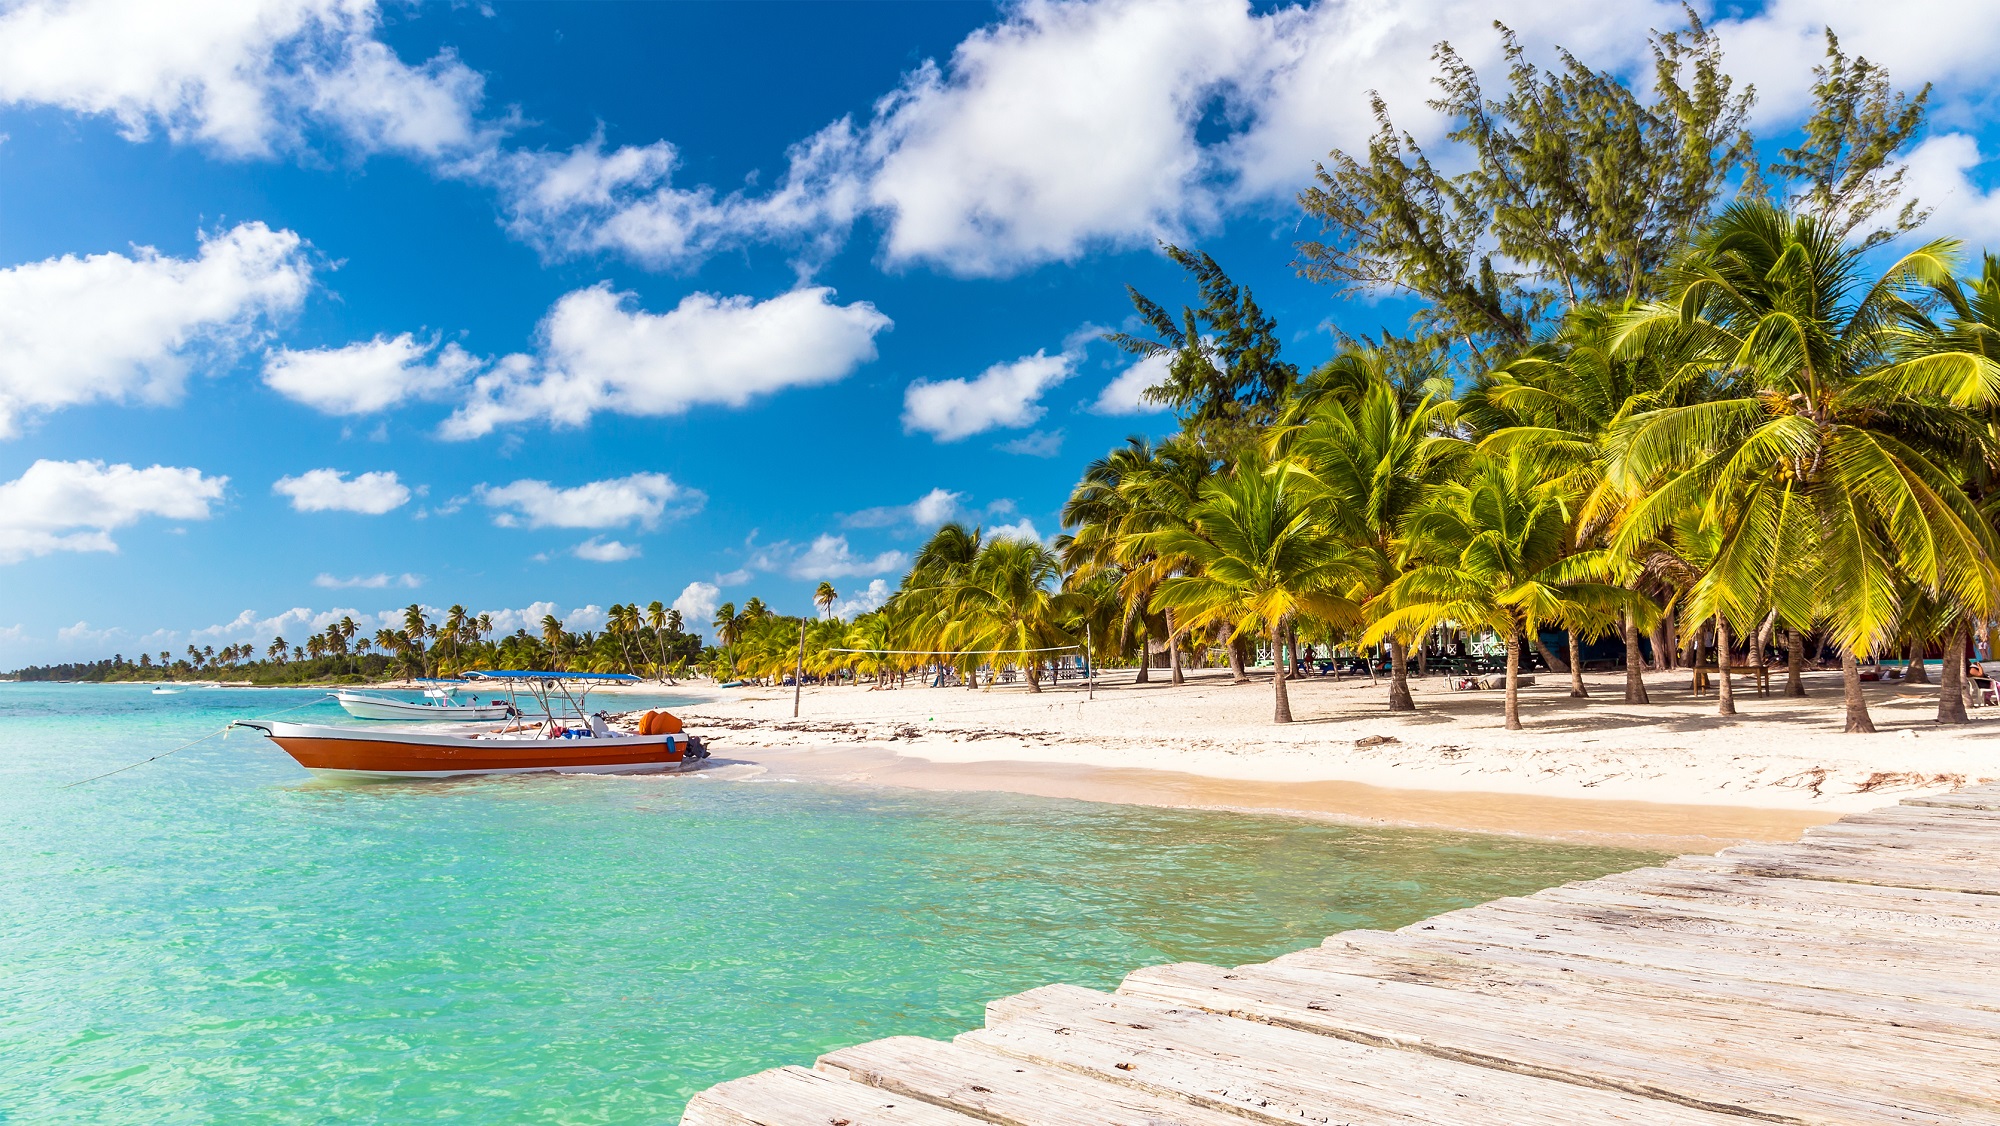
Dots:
(576, 742)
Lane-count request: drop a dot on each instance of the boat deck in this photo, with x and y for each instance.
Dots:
(1853, 977)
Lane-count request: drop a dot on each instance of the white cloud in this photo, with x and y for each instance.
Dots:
(1035, 443)
(597, 549)
(828, 557)
(927, 511)
(1065, 125)
(872, 598)
(1939, 176)
(1022, 529)
(598, 355)
(247, 78)
(379, 581)
(1125, 394)
(528, 617)
(370, 376)
(639, 499)
(588, 200)
(737, 577)
(81, 634)
(328, 490)
(76, 505)
(584, 617)
(1006, 394)
(697, 603)
(118, 327)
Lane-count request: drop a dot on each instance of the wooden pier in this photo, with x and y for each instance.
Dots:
(1853, 977)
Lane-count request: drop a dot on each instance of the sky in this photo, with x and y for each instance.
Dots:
(325, 307)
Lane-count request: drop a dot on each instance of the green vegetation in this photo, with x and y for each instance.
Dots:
(645, 642)
(1650, 386)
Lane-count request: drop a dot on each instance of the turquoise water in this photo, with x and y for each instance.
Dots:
(215, 938)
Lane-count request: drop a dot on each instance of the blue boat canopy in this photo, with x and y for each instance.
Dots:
(543, 674)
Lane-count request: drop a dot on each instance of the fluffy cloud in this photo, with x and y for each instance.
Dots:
(927, 511)
(1125, 394)
(119, 327)
(369, 376)
(597, 549)
(587, 200)
(697, 603)
(246, 78)
(76, 505)
(1066, 124)
(1006, 394)
(1939, 175)
(1022, 529)
(870, 599)
(329, 490)
(1035, 443)
(639, 499)
(828, 557)
(600, 355)
(379, 581)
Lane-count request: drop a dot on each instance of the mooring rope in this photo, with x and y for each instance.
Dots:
(184, 746)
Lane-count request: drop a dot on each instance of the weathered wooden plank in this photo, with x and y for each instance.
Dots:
(1427, 959)
(793, 1096)
(1978, 939)
(1695, 1059)
(1009, 1090)
(1856, 944)
(1271, 1073)
(1983, 797)
(1941, 908)
(1820, 865)
(1808, 969)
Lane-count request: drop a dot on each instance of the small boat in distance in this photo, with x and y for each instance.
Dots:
(440, 703)
(563, 738)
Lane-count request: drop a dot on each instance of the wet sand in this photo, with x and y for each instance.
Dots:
(1652, 826)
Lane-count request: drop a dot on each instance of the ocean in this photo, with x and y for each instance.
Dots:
(216, 937)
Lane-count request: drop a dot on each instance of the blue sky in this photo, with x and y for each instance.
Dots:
(312, 307)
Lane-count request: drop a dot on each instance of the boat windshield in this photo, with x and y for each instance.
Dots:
(560, 695)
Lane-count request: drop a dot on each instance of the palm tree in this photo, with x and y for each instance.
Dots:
(1367, 462)
(824, 598)
(557, 639)
(1492, 551)
(1008, 605)
(1259, 556)
(1818, 446)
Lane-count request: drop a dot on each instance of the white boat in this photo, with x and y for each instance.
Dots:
(440, 703)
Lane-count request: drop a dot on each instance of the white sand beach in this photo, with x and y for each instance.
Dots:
(1669, 774)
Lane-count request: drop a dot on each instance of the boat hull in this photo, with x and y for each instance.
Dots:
(348, 752)
(381, 707)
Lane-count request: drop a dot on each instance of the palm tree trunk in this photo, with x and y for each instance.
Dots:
(1858, 722)
(1423, 654)
(1951, 676)
(1725, 690)
(1635, 671)
(1513, 680)
(1145, 656)
(1915, 672)
(1284, 701)
(1237, 675)
(1292, 642)
(1576, 688)
(1556, 664)
(1663, 645)
(1174, 650)
(1034, 671)
(1795, 663)
(1399, 679)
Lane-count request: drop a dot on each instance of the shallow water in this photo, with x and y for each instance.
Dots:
(214, 937)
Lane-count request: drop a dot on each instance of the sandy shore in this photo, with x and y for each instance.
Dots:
(1669, 775)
